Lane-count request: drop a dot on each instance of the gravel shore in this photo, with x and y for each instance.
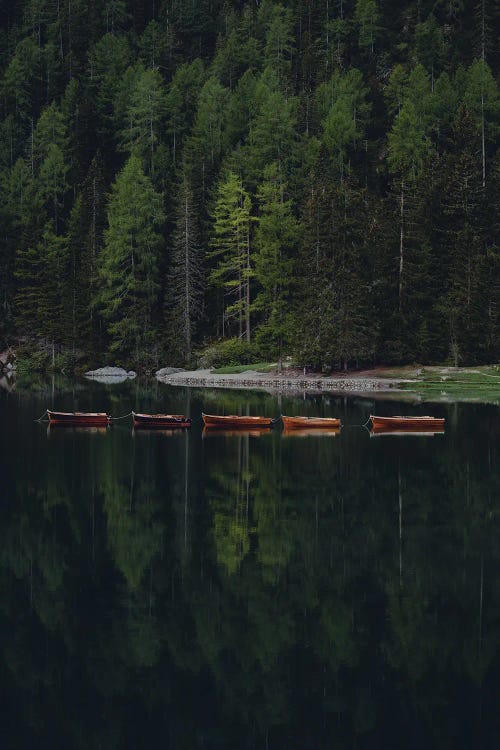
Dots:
(275, 382)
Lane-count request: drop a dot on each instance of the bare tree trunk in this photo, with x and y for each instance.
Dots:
(483, 145)
(401, 243)
(247, 302)
(186, 272)
(327, 33)
(483, 32)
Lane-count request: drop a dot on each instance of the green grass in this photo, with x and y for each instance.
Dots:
(237, 369)
(475, 384)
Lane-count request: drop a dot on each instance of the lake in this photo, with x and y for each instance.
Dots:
(237, 591)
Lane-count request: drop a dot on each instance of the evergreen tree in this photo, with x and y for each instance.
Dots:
(108, 60)
(84, 239)
(430, 46)
(482, 99)
(231, 241)
(332, 316)
(158, 47)
(186, 284)
(275, 239)
(279, 43)
(181, 102)
(42, 301)
(465, 224)
(273, 132)
(408, 147)
(128, 263)
(205, 146)
(396, 89)
(367, 18)
(143, 117)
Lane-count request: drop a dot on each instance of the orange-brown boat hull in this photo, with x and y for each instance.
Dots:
(311, 433)
(78, 419)
(310, 423)
(235, 422)
(160, 421)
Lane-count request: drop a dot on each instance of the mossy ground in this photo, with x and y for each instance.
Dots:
(238, 369)
(450, 383)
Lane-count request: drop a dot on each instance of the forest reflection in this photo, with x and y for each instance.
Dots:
(237, 591)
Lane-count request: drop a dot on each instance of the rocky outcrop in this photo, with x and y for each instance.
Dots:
(164, 371)
(110, 374)
(8, 360)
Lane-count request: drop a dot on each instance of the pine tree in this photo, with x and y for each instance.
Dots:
(231, 241)
(19, 218)
(279, 46)
(273, 132)
(430, 46)
(143, 117)
(342, 104)
(128, 263)
(367, 18)
(408, 147)
(85, 238)
(185, 286)
(395, 89)
(205, 147)
(482, 99)
(157, 47)
(332, 314)
(108, 60)
(42, 301)
(275, 239)
(181, 102)
(465, 222)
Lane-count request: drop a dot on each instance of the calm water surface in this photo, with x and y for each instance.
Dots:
(238, 591)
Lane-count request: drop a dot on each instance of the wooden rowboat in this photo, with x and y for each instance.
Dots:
(78, 418)
(234, 421)
(407, 424)
(310, 423)
(160, 420)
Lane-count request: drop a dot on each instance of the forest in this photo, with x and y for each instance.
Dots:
(209, 181)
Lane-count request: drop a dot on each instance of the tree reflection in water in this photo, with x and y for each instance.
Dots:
(239, 591)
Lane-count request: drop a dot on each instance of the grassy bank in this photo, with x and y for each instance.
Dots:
(238, 369)
(450, 383)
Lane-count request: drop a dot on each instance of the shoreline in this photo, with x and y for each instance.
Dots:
(275, 383)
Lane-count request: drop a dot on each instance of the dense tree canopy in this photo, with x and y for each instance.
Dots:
(173, 173)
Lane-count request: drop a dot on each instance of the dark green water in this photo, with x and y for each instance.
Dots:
(247, 592)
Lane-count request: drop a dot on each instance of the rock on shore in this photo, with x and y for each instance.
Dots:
(164, 371)
(110, 374)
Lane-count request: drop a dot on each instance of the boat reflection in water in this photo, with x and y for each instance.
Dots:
(311, 433)
(218, 432)
(379, 431)
(144, 431)
(59, 429)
